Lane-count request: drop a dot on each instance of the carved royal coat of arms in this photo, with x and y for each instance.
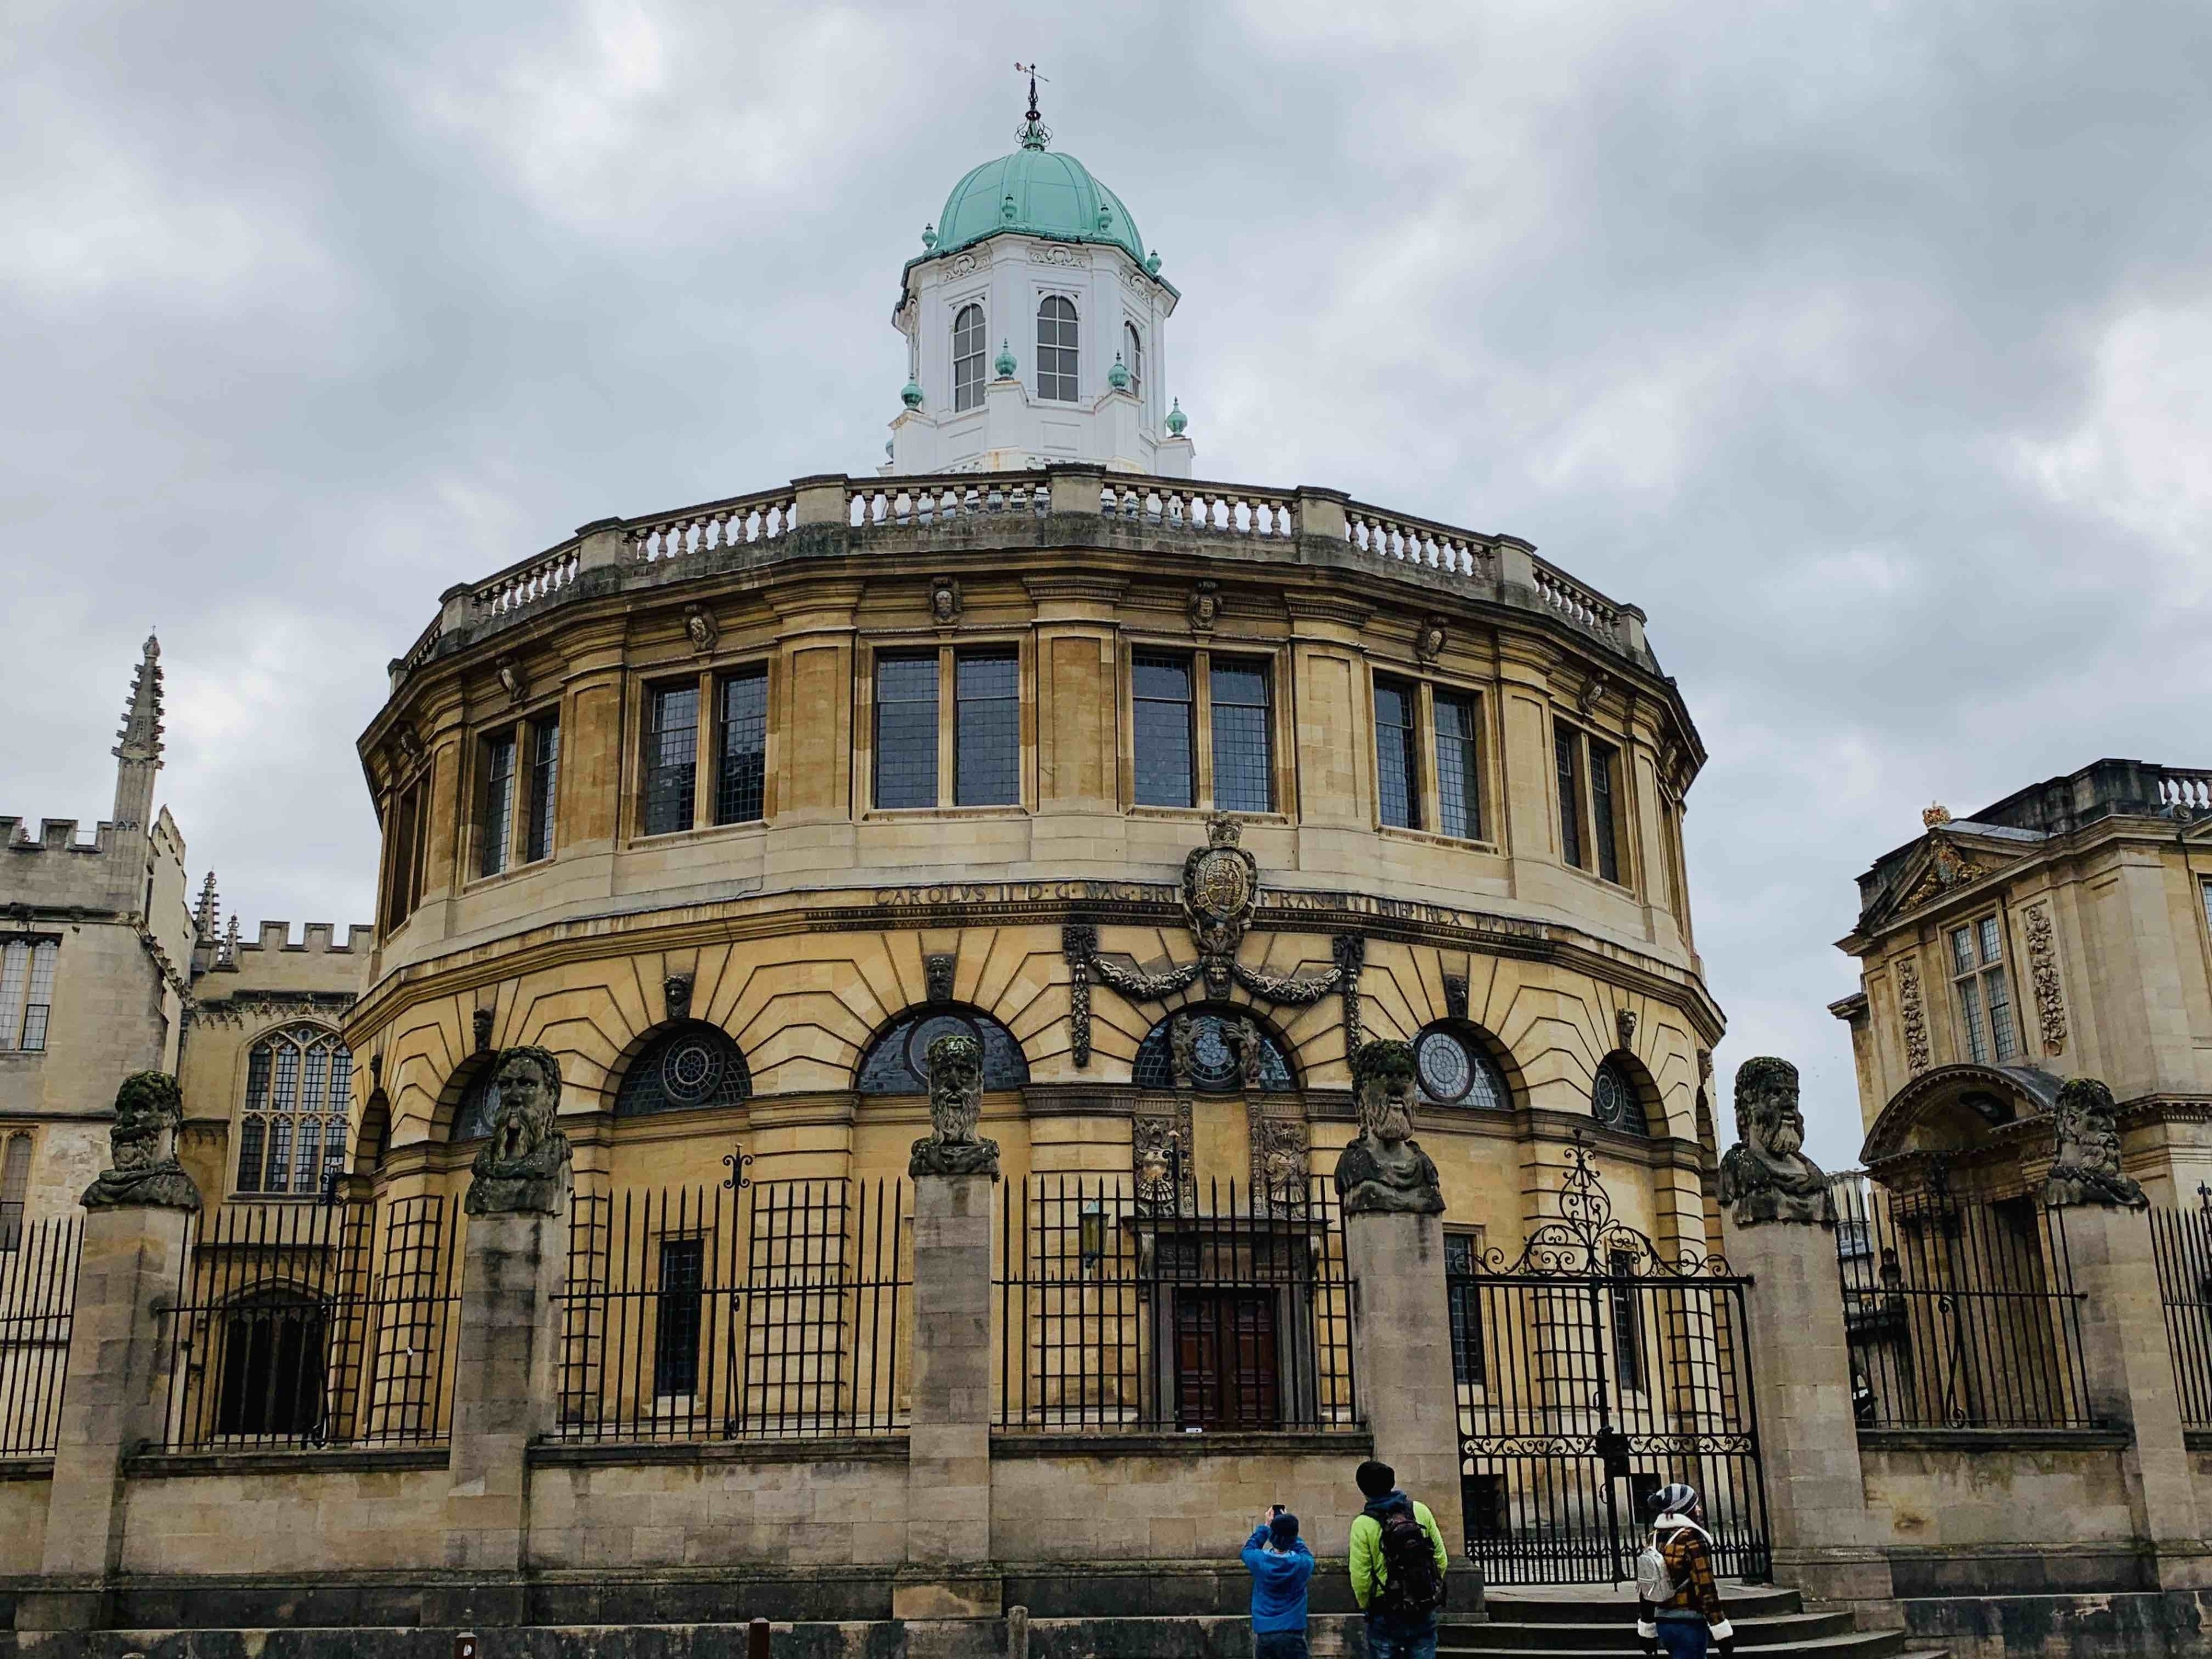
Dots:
(1220, 886)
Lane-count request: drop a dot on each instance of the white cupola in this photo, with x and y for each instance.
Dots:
(1036, 327)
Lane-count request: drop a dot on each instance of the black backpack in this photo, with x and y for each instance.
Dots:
(1412, 1586)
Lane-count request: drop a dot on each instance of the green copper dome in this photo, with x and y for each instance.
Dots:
(1041, 191)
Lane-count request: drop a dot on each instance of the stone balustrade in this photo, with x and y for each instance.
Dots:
(1493, 568)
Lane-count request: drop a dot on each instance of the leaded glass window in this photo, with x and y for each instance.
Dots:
(1056, 349)
(986, 737)
(1604, 767)
(498, 819)
(1566, 756)
(26, 991)
(693, 1066)
(479, 1104)
(292, 1133)
(1166, 752)
(679, 1316)
(1397, 775)
(671, 759)
(403, 854)
(1613, 1099)
(1463, 1256)
(741, 767)
(544, 788)
(1243, 747)
(14, 1190)
(1456, 1069)
(1459, 779)
(1218, 1045)
(906, 731)
(1977, 976)
(969, 350)
(898, 1061)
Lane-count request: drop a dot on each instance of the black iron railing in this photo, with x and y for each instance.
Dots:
(38, 1306)
(1119, 1310)
(2182, 1240)
(316, 1324)
(1960, 1313)
(769, 1310)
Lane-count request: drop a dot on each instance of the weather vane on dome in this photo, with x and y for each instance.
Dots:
(1033, 132)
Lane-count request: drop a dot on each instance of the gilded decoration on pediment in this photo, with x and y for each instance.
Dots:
(1948, 867)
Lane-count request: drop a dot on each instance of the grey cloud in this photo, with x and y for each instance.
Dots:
(1859, 346)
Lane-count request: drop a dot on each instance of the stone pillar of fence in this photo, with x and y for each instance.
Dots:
(1778, 1229)
(948, 1579)
(1394, 1249)
(505, 1387)
(2127, 1365)
(136, 1230)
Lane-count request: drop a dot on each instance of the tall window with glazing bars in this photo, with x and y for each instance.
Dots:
(292, 1129)
(968, 353)
(741, 767)
(672, 758)
(1056, 349)
(1243, 742)
(1978, 975)
(520, 784)
(26, 991)
(1397, 751)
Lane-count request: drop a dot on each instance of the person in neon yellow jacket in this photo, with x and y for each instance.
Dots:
(1402, 1618)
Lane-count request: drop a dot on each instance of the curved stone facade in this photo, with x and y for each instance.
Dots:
(807, 931)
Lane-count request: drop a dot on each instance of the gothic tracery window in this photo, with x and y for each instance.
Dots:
(292, 1133)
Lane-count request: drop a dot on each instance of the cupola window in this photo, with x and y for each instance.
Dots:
(967, 352)
(1056, 349)
(1133, 359)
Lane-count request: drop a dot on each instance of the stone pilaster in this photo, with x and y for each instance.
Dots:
(111, 1402)
(1824, 1542)
(948, 1532)
(2130, 1380)
(504, 1392)
(1402, 1358)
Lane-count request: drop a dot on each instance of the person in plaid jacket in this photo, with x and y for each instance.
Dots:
(1689, 1622)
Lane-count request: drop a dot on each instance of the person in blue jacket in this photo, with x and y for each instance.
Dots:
(1280, 1565)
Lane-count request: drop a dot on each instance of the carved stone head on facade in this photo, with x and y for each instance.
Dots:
(1624, 1025)
(1765, 1175)
(1429, 642)
(2085, 1168)
(524, 1167)
(676, 995)
(511, 680)
(956, 1106)
(944, 601)
(480, 1028)
(143, 1166)
(1204, 605)
(937, 969)
(1384, 1171)
(699, 628)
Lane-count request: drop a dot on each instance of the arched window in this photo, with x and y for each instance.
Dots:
(1456, 1069)
(1214, 1050)
(687, 1067)
(1056, 349)
(967, 352)
(479, 1103)
(1133, 359)
(271, 1368)
(293, 1133)
(898, 1061)
(14, 1190)
(1615, 1100)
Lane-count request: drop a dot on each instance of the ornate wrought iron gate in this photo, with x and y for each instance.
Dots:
(1592, 1371)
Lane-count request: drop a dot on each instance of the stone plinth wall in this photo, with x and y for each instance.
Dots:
(842, 1505)
(1094, 1501)
(24, 1488)
(261, 1517)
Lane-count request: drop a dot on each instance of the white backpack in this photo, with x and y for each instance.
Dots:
(1654, 1582)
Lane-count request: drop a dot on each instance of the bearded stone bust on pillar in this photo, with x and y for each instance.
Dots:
(524, 1167)
(1767, 1176)
(1385, 1171)
(143, 1164)
(956, 1106)
(2085, 1168)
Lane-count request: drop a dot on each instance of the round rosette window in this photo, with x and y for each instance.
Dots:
(1455, 1071)
(695, 1065)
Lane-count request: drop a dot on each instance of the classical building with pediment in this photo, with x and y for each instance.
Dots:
(2060, 933)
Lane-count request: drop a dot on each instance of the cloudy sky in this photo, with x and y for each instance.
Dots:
(1865, 346)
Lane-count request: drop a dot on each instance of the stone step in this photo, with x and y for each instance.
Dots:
(1505, 1634)
(1592, 1604)
(1609, 1643)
